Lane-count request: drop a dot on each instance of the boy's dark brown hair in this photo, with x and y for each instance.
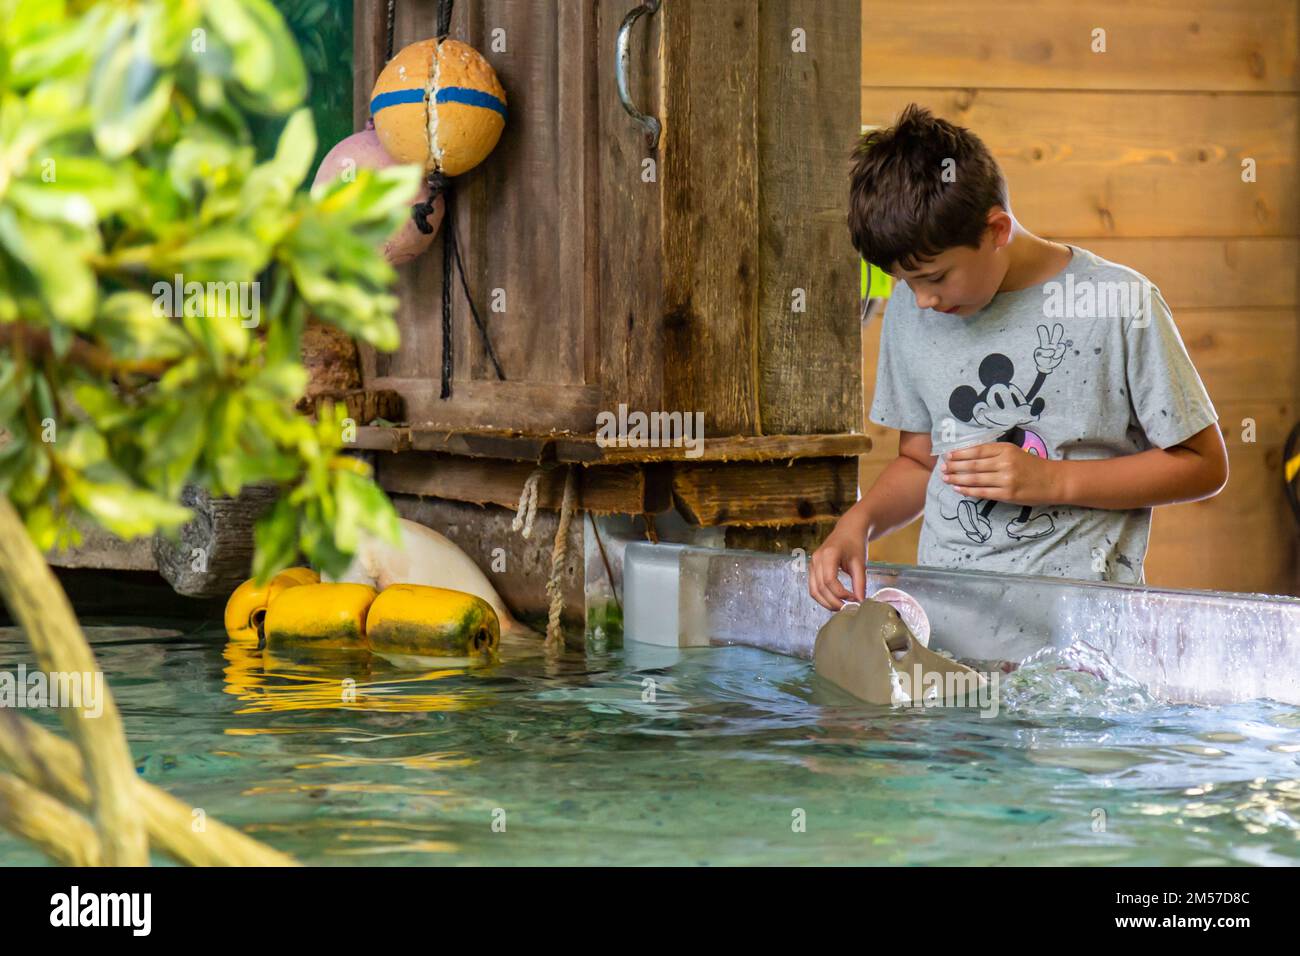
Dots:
(901, 211)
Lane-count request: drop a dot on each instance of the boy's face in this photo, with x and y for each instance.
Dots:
(960, 280)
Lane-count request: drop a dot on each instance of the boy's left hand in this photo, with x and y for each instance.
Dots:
(1003, 472)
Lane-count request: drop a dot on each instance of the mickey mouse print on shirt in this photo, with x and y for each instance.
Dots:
(1001, 404)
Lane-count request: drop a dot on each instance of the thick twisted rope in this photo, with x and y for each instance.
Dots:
(559, 552)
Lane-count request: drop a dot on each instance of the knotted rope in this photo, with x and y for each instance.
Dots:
(523, 522)
(559, 552)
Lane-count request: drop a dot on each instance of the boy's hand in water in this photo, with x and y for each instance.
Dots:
(845, 547)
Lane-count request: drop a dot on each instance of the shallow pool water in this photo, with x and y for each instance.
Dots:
(725, 756)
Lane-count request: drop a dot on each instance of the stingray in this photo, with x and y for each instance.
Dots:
(870, 650)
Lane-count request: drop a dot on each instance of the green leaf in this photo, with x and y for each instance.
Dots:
(45, 44)
(13, 389)
(276, 180)
(133, 325)
(265, 59)
(275, 540)
(224, 252)
(102, 406)
(200, 165)
(129, 97)
(49, 262)
(42, 526)
(127, 512)
(78, 191)
(173, 441)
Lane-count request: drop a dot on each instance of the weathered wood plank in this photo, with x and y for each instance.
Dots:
(370, 36)
(584, 449)
(720, 448)
(807, 490)
(523, 211)
(490, 405)
(380, 438)
(1153, 45)
(630, 262)
(522, 224)
(710, 185)
(618, 489)
(808, 277)
(214, 552)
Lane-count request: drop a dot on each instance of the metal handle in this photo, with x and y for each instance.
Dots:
(649, 123)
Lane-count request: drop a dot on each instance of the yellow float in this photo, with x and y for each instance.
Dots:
(417, 620)
(246, 608)
(319, 615)
(294, 611)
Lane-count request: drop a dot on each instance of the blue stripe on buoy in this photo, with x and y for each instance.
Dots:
(470, 97)
(395, 98)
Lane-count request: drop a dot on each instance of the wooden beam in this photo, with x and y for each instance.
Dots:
(722, 448)
(802, 492)
(376, 438)
(584, 449)
(214, 554)
(617, 489)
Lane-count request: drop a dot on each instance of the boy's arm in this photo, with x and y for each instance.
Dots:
(1193, 469)
(895, 499)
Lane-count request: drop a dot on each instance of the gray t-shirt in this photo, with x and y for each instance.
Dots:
(1086, 365)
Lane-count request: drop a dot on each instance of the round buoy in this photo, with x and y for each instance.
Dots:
(439, 105)
(364, 151)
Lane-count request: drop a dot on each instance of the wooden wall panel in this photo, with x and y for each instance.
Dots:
(1237, 45)
(630, 295)
(754, 199)
(710, 191)
(808, 367)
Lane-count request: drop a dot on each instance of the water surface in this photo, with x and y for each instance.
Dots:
(724, 756)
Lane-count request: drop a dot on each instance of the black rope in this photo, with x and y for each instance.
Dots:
(444, 18)
(392, 19)
(448, 249)
(478, 321)
(441, 185)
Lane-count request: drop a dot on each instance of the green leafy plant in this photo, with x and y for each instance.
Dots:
(129, 173)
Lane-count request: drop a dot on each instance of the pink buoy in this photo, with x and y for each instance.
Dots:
(363, 151)
(909, 609)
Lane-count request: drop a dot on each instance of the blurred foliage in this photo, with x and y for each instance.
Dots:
(323, 31)
(127, 163)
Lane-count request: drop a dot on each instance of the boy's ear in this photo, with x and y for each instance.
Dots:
(1000, 225)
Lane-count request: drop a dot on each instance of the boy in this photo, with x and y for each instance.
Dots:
(1070, 365)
